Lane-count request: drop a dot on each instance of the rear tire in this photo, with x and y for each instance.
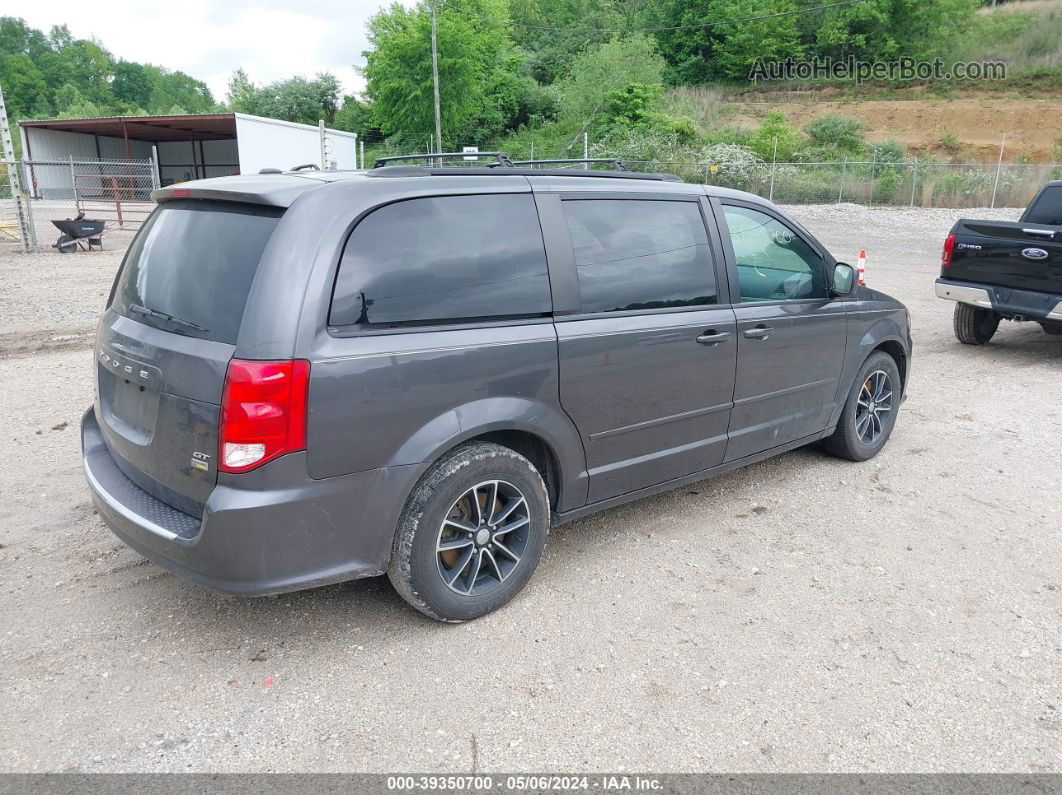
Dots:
(455, 559)
(974, 326)
(869, 413)
(1054, 329)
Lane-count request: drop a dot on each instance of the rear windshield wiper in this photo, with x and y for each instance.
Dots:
(143, 310)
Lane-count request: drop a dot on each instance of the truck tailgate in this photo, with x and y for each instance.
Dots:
(1022, 256)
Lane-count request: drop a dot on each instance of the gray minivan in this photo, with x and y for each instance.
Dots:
(310, 377)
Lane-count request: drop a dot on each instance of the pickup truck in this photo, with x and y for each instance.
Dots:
(1001, 270)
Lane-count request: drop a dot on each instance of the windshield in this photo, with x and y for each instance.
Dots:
(190, 269)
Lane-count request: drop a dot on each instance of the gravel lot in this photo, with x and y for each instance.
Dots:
(804, 614)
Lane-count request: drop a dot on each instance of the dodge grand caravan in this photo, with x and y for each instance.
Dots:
(306, 378)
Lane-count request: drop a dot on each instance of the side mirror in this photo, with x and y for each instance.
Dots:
(844, 279)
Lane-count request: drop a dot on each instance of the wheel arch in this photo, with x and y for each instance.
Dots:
(539, 432)
(896, 350)
(886, 335)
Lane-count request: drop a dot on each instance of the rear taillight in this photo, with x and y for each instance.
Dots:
(263, 412)
(949, 247)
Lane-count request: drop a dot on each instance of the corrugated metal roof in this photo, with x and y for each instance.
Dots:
(203, 127)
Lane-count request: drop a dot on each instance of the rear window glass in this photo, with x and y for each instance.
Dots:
(1047, 209)
(190, 269)
(443, 259)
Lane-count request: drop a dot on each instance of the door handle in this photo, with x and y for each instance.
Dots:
(758, 333)
(713, 337)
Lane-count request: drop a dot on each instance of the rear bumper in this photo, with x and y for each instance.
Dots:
(1006, 301)
(268, 531)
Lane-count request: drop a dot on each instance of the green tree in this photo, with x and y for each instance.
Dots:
(176, 88)
(471, 44)
(71, 104)
(611, 67)
(887, 29)
(90, 68)
(511, 99)
(714, 39)
(58, 74)
(22, 82)
(132, 84)
(242, 96)
(356, 116)
(738, 45)
(555, 32)
(296, 99)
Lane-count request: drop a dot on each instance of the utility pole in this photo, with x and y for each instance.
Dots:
(435, 80)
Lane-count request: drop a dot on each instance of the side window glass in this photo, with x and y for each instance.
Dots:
(443, 259)
(773, 262)
(638, 254)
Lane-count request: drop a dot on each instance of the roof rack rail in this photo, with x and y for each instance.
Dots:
(515, 171)
(306, 167)
(502, 157)
(615, 162)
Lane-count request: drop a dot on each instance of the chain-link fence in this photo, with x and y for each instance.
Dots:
(117, 192)
(911, 183)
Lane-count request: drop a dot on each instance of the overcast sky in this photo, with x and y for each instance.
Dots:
(270, 39)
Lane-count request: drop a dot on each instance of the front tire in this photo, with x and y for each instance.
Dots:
(471, 534)
(869, 413)
(974, 326)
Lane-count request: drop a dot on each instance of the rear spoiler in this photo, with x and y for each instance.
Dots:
(271, 190)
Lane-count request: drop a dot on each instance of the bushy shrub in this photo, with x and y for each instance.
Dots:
(733, 166)
(776, 137)
(633, 110)
(949, 142)
(839, 132)
(970, 182)
(888, 151)
(733, 159)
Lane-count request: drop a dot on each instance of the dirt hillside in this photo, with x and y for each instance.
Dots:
(1033, 126)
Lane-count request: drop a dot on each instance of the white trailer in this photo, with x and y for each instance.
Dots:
(183, 147)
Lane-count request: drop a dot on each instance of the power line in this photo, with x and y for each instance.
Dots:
(702, 25)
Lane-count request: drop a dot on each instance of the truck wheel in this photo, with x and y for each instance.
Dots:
(471, 534)
(974, 326)
(869, 413)
(1054, 329)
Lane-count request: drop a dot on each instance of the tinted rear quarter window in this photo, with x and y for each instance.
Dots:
(443, 259)
(1047, 209)
(638, 254)
(194, 261)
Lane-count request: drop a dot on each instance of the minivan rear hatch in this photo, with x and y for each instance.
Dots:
(165, 342)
